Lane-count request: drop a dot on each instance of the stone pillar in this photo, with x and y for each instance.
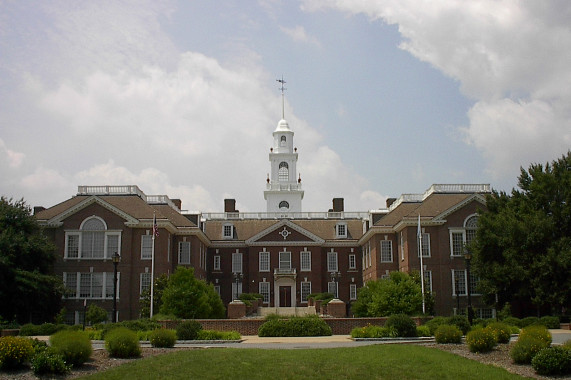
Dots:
(336, 308)
(236, 309)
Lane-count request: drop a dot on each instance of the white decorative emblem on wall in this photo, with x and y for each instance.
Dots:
(285, 233)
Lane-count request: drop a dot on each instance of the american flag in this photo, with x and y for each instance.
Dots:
(155, 226)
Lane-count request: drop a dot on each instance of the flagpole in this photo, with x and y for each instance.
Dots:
(153, 263)
(421, 265)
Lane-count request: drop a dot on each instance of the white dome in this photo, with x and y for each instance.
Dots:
(282, 126)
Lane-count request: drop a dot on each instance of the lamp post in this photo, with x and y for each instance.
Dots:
(468, 257)
(238, 278)
(116, 260)
(335, 276)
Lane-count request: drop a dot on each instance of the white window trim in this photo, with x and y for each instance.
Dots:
(264, 284)
(141, 275)
(307, 283)
(143, 238)
(390, 245)
(426, 240)
(180, 245)
(285, 261)
(339, 235)
(104, 279)
(216, 262)
(260, 255)
(301, 267)
(224, 235)
(106, 252)
(352, 261)
(352, 292)
(336, 293)
(237, 264)
(332, 258)
(452, 231)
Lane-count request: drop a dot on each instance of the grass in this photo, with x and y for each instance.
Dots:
(369, 362)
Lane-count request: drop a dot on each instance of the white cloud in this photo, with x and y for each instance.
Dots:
(12, 158)
(511, 57)
(298, 34)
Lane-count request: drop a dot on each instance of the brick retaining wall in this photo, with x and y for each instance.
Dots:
(250, 326)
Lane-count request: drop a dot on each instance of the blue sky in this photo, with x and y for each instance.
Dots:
(180, 97)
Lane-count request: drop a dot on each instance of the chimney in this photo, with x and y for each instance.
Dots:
(229, 205)
(38, 209)
(177, 203)
(390, 201)
(338, 205)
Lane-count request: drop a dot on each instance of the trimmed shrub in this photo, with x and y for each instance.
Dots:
(549, 322)
(422, 331)
(526, 348)
(459, 321)
(143, 324)
(295, 326)
(122, 343)
(434, 323)
(218, 335)
(513, 321)
(49, 361)
(502, 332)
(44, 329)
(74, 346)
(448, 334)
(403, 324)
(371, 331)
(188, 330)
(567, 344)
(481, 340)
(552, 361)
(15, 351)
(162, 338)
(528, 321)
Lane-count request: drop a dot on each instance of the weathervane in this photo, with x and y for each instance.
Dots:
(282, 88)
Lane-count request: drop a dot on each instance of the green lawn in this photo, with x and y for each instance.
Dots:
(368, 362)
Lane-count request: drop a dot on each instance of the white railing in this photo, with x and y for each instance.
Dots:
(284, 215)
(126, 190)
(442, 189)
(283, 186)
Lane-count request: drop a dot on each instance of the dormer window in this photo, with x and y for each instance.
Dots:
(341, 230)
(228, 231)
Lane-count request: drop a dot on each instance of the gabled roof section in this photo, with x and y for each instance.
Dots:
(285, 232)
(474, 197)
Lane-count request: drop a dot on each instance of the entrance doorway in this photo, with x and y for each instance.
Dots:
(285, 296)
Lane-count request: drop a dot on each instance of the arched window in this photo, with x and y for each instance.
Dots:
(283, 141)
(471, 225)
(284, 205)
(93, 238)
(283, 172)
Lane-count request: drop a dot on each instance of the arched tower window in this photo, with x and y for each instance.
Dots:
(93, 238)
(471, 225)
(283, 141)
(284, 205)
(283, 172)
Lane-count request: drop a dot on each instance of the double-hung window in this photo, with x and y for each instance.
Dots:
(184, 252)
(264, 288)
(386, 251)
(305, 261)
(237, 262)
(352, 261)
(92, 241)
(285, 260)
(305, 290)
(425, 245)
(264, 261)
(332, 262)
(216, 262)
(146, 247)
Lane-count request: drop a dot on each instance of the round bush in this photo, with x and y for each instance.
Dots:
(49, 361)
(188, 330)
(552, 361)
(481, 340)
(422, 331)
(526, 348)
(549, 322)
(434, 323)
(448, 334)
(15, 351)
(74, 346)
(528, 321)
(122, 343)
(403, 324)
(513, 321)
(501, 331)
(461, 322)
(163, 338)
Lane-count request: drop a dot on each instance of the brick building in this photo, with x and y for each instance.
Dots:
(284, 254)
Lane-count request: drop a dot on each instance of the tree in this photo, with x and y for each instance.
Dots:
(28, 291)
(522, 251)
(188, 297)
(95, 314)
(399, 294)
(158, 289)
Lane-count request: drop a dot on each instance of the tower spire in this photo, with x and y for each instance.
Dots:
(282, 88)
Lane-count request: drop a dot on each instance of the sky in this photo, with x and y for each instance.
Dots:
(385, 97)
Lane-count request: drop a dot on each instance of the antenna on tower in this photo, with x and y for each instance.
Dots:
(282, 88)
